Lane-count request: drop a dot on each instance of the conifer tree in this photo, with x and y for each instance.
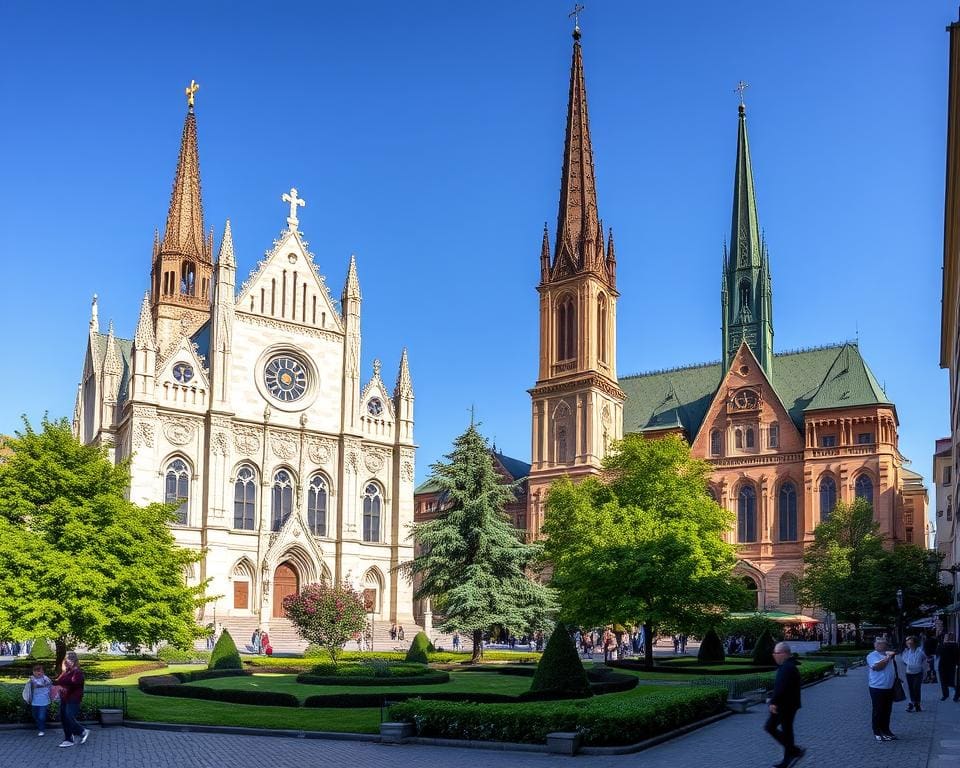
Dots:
(474, 565)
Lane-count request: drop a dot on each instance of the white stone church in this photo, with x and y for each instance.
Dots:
(246, 407)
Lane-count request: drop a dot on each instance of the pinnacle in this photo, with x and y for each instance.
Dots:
(404, 387)
(144, 338)
(184, 231)
(226, 257)
(351, 289)
(111, 360)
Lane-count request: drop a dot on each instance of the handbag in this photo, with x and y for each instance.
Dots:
(898, 693)
(27, 693)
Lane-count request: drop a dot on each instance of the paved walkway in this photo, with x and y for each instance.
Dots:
(833, 724)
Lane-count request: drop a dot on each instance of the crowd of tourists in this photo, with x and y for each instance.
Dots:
(15, 647)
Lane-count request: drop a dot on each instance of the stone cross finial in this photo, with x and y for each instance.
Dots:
(190, 90)
(741, 87)
(291, 197)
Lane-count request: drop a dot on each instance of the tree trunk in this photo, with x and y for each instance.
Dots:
(477, 646)
(647, 645)
(61, 646)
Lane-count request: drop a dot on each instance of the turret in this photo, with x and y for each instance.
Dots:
(221, 321)
(144, 363)
(350, 304)
(403, 401)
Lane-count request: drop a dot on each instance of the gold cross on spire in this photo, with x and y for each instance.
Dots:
(575, 15)
(741, 87)
(190, 90)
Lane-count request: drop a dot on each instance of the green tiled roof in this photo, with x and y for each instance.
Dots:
(516, 468)
(834, 376)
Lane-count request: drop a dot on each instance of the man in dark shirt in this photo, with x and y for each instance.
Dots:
(948, 655)
(784, 703)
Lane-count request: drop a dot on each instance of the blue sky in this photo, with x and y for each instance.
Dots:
(427, 139)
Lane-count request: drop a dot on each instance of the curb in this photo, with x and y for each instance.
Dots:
(237, 730)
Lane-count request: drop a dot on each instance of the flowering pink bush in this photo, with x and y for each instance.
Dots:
(327, 615)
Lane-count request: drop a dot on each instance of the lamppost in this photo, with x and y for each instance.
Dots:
(899, 616)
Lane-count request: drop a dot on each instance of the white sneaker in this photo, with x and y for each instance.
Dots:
(39, 733)
(67, 743)
(84, 736)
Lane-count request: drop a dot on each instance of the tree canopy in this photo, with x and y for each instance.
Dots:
(472, 563)
(79, 563)
(645, 543)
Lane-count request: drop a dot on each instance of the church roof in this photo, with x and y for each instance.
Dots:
(834, 376)
(517, 469)
(125, 347)
(201, 339)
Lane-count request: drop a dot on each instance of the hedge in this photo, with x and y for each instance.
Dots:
(41, 649)
(599, 724)
(426, 677)
(225, 654)
(560, 668)
(172, 655)
(13, 710)
(692, 669)
(711, 649)
(173, 685)
(93, 670)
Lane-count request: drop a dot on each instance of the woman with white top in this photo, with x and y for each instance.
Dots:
(914, 662)
(882, 673)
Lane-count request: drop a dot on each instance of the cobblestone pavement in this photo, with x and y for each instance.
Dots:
(833, 724)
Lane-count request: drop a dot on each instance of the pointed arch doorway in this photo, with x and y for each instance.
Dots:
(285, 582)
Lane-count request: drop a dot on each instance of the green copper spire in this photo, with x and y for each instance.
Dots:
(746, 294)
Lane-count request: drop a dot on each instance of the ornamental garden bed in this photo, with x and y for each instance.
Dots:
(692, 668)
(92, 670)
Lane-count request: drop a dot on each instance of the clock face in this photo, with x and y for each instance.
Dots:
(286, 378)
(374, 406)
(183, 372)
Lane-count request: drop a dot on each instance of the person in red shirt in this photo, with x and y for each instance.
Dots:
(70, 684)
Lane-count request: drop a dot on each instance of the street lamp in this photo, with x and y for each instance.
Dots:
(899, 616)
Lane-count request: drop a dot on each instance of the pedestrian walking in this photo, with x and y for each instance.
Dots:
(784, 704)
(947, 657)
(70, 686)
(880, 679)
(914, 662)
(456, 641)
(930, 651)
(255, 640)
(37, 694)
(400, 632)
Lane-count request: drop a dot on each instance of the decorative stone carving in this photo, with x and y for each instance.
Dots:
(219, 444)
(373, 460)
(320, 451)
(284, 446)
(246, 440)
(406, 471)
(178, 431)
(143, 435)
(351, 449)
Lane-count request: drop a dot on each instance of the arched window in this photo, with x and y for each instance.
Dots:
(715, 442)
(864, 489)
(751, 441)
(744, 294)
(602, 327)
(188, 278)
(747, 515)
(738, 438)
(561, 443)
(566, 329)
(828, 497)
(282, 501)
(787, 512)
(177, 488)
(773, 437)
(317, 506)
(244, 498)
(750, 584)
(372, 503)
(788, 589)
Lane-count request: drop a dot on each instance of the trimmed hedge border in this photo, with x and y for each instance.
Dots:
(431, 677)
(597, 723)
(691, 669)
(91, 669)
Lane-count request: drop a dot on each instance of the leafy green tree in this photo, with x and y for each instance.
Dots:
(913, 570)
(79, 562)
(643, 544)
(751, 627)
(473, 564)
(327, 615)
(842, 565)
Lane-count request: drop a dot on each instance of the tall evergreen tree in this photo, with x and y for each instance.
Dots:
(79, 562)
(473, 564)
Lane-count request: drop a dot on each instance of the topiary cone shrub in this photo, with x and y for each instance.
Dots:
(419, 649)
(711, 649)
(225, 654)
(560, 669)
(41, 649)
(763, 650)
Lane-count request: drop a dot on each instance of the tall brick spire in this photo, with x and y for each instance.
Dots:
(579, 237)
(184, 231)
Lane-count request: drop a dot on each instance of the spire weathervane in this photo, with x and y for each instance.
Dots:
(741, 87)
(575, 15)
(189, 91)
(294, 201)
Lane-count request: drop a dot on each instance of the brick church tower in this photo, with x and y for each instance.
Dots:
(577, 402)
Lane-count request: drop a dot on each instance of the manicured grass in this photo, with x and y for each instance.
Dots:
(462, 682)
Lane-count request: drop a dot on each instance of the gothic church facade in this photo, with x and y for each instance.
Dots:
(244, 405)
(788, 434)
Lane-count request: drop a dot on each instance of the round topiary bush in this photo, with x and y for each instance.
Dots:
(419, 649)
(763, 650)
(711, 649)
(560, 669)
(225, 654)
(42, 649)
